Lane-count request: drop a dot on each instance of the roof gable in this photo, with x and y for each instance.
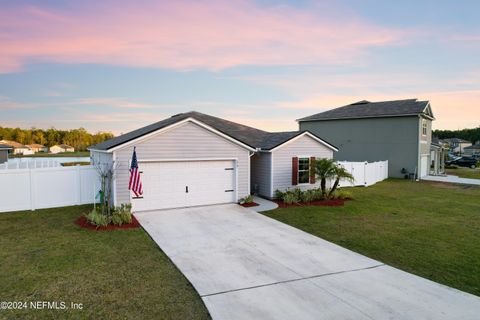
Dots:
(367, 109)
(249, 137)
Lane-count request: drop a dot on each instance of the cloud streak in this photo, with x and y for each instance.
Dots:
(185, 35)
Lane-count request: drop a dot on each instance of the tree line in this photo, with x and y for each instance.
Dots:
(472, 135)
(80, 139)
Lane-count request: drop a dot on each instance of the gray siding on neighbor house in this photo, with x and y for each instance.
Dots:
(3, 156)
(261, 181)
(395, 139)
(186, 141)
(282, 161)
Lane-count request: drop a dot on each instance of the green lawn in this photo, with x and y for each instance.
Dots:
(115, 275)
(465, 173)
(54, 155)
(432, 230)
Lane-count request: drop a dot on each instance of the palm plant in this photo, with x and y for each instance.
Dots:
(324, 170)
(328, 169)
(339, 173)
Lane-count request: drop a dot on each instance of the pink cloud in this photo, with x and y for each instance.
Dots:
(184, 35)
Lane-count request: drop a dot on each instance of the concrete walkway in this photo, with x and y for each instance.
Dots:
(247, 266)
(264, 204)
(452, 179)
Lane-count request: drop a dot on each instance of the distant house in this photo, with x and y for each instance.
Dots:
(61, 148)
(18, 148)
(457, 145)
(4, 150)
(37, 147)
(472, 150)
(399, 131)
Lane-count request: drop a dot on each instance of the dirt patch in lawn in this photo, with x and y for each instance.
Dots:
(248, 205)
(83, 222)
(321, 203)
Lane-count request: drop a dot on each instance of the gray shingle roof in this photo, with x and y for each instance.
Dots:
(5, 147)
(475, 146)
(252, 137)
(367, 109)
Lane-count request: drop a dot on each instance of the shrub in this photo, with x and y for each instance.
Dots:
(308, 196)
(122, 215)
(97, 218)
(248, 199)
(279, 194)
(343, 195)
(290, 197)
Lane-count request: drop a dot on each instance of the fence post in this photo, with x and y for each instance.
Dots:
(78, 179)
(31, 182)
(365, 173)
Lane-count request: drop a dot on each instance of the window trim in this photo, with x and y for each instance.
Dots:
(424, 128)
(308, 170)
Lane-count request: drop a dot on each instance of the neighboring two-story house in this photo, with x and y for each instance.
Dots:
(399, 131)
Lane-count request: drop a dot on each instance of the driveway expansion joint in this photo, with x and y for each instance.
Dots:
(291, 280)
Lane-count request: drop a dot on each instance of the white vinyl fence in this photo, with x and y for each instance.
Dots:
(48, 163)
(30, 189)
(365, 173)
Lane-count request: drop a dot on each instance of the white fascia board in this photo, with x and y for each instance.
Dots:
(301, 135)
(174, 125)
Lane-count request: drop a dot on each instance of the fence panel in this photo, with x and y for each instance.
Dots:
(364, 173)
(30, 189)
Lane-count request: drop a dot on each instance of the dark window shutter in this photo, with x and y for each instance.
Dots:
(294, 171)
(312, 170)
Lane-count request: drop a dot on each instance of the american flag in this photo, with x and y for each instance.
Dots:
(135, 184)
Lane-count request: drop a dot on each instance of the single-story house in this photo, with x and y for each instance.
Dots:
(399, 131)
(58, 148)
(457, 145)
(195, 159)
(18, 148)
(35, 147)
(4, 150)
(472, 150)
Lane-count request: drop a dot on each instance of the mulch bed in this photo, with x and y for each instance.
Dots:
(251, 204)
(83, 222)
(325, 203)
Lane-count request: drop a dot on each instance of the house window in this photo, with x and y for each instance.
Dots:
(303, 170)
(424, 127)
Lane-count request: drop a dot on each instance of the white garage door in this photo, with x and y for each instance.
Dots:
(185, 184)
(424, 166)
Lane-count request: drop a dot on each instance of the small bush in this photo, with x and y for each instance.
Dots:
(343, 195)
(279, 194)
(122, 215)
(290, 197)
(98, 219)
(248, 199)
(308, 196)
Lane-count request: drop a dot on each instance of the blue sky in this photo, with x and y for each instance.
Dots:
(118, 65)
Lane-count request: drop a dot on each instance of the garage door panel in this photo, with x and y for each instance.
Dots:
(164, 184)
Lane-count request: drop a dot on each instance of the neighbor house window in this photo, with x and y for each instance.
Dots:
(303, 170)
(424, 127)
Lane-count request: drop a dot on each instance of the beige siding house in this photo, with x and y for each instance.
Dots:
(59, 148)
(195, 159)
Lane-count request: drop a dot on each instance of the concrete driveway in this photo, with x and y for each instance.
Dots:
(247, 266)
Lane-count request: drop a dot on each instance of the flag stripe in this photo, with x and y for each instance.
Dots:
(135, 184)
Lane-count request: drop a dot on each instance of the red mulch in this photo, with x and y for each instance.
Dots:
(251, 204)
(83, 222)
(325, 203)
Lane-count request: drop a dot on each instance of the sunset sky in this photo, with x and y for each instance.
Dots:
(117, 65)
